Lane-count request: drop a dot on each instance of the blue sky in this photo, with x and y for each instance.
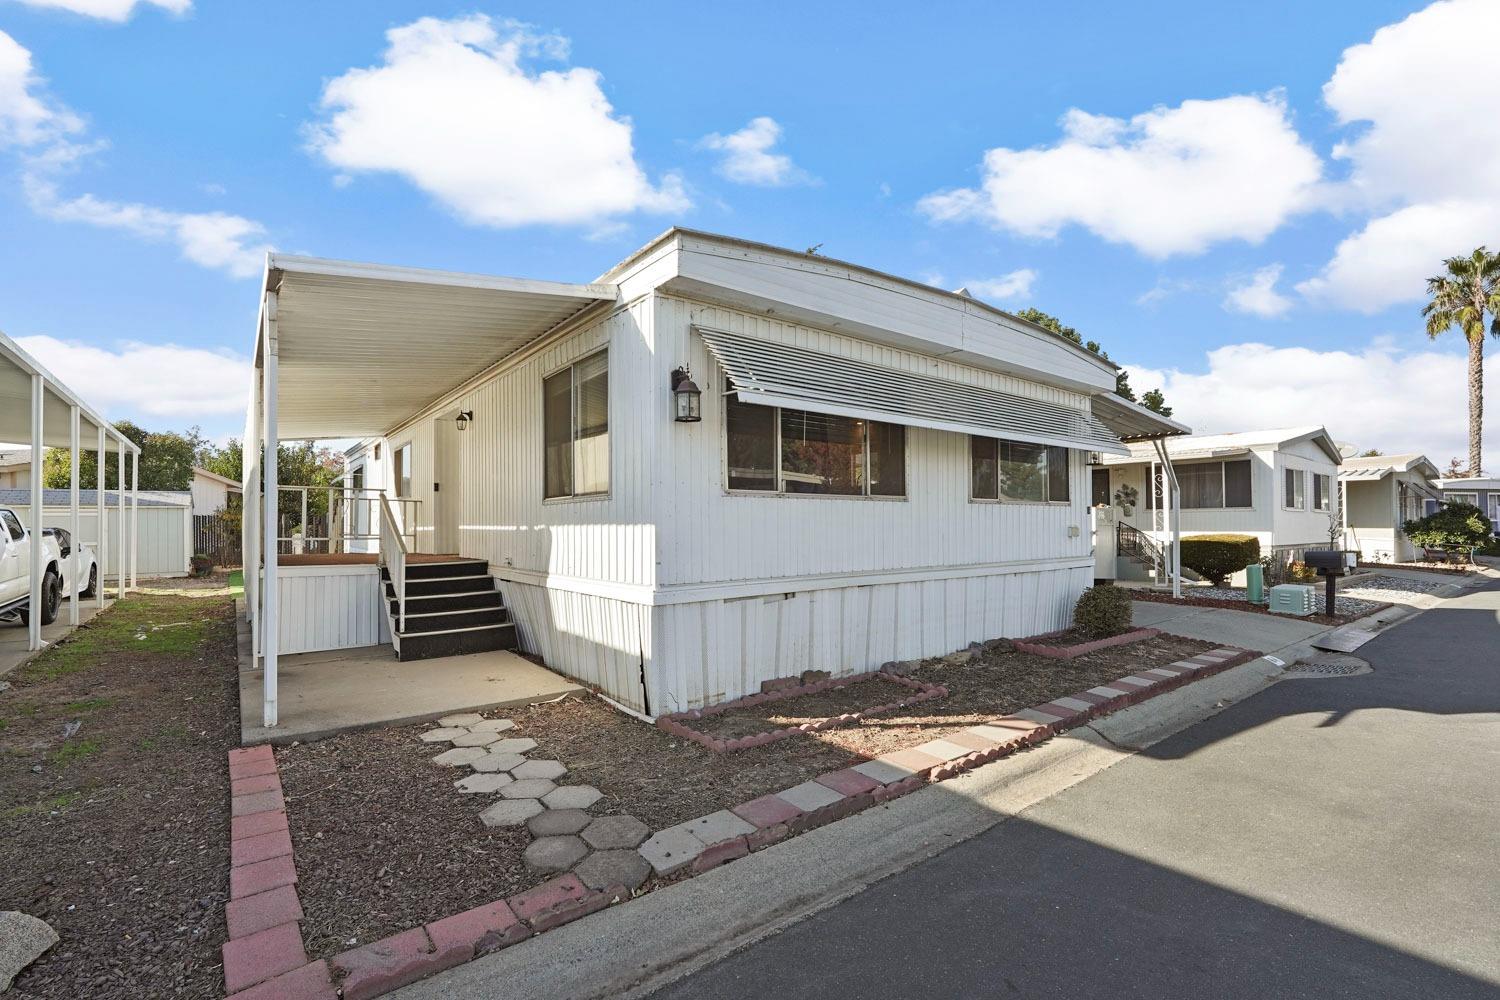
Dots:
(1181, 182)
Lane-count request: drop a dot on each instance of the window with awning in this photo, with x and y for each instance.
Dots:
(771, 373)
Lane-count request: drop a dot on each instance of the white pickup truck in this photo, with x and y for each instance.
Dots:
(65, 564)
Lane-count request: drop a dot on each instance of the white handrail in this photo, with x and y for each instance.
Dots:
(393, 558)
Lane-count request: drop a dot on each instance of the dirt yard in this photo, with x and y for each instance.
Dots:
(113, 791)
(384, 842)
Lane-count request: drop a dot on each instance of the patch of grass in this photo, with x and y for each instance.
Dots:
(87, 705)
(237, 583)
(55, 803)
(69, 753)
(154, 625)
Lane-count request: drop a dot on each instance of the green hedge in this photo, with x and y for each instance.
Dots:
(1216, 557)
(1103, 611)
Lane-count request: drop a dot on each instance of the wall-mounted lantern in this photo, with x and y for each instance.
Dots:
(687, 404)
(464, 418)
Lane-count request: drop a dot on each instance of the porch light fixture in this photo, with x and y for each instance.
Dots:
(686, 397)
(463, 419)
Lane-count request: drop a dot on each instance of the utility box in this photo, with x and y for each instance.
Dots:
(1294, 599)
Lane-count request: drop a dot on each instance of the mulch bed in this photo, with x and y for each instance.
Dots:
(1260, 609)
(815, 707)
(118, 835)
(384, 842)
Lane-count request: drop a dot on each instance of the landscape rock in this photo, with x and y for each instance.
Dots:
(23, 939)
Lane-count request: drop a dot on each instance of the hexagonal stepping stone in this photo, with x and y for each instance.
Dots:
(611, 833)
(555, 854)
(552, 769)
(461, 719)
(557, 822)
(469, 739)
(443, 734)
(528, 788)
(510, 812)
(493, 726)
(603, 869)
(485, 783)
(572, 797)
(491, 761)
(458, 756)
(516, 744)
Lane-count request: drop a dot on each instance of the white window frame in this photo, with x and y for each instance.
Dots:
(969, 452)
(1292, 502)
(609, 462)
(781, 490)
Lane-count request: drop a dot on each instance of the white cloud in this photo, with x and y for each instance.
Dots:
(455, 110)
(1015, 285)
(748, 156)
(1167, 181)
(1258, 295)
(111, 10)
(1422, 403)
(1427, 154)
(165, 381)
(48, 138)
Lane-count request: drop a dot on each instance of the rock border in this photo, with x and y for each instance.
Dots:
(673, 723)
(1037, 647)
(270, 964)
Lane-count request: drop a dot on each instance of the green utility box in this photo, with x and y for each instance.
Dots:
(1255, 584)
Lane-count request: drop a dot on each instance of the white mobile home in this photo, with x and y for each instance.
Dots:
(1277, 485)
(719, 464)
(1382, 492)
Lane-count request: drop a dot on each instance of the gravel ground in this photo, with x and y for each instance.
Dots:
(1347, 607)
(1392, 589)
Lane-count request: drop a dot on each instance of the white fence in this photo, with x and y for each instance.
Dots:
(162, 549)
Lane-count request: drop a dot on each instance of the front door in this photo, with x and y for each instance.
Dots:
(447, 493)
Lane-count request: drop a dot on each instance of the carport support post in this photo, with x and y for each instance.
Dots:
(76, 584)
(34, 610)
(135, 510)
(120, 505)
(270, 640)
(103, 547)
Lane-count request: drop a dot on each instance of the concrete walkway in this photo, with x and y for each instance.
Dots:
(1325, 838)
(1245, 629)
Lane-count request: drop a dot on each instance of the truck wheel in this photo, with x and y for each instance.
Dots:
(51, 591)
(93, 581)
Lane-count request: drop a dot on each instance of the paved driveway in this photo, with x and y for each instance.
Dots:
(1325, 838)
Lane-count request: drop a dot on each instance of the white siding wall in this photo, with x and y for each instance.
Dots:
(329, 607)
(162, 543)
(1305, 526)
(209, 495)
(597, 640)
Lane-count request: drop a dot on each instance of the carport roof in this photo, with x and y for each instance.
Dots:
(362, 347)
(16, 369)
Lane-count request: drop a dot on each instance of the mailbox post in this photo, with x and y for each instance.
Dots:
(1330, 564)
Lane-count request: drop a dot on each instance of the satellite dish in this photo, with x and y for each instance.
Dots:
(1348, 450)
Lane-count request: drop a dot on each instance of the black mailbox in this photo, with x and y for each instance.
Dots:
(1328, 562)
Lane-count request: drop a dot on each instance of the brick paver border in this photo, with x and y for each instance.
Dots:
(264, 957)
(782, 690)
(1038, 647)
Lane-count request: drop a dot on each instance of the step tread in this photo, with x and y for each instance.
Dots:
(454, 631)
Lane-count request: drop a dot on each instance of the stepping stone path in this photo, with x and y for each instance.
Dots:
(601, 850)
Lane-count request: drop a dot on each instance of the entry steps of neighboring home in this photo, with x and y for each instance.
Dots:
(452, 607)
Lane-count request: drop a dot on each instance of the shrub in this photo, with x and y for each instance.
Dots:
(1215, 557)
(1456, 525)
(201, 564)
(1103, 611)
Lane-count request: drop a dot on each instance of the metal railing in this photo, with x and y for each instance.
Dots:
(333, 519)
(1141, 547)
(393, 559)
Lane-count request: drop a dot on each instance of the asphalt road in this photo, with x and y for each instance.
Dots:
(1325, 838)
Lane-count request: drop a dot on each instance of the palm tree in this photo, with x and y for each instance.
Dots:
(1460, 297)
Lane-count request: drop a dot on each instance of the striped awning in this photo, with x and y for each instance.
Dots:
(776, 374)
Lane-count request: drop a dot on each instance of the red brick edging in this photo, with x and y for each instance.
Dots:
(1035, 646)
(673, 723)
(265, 960)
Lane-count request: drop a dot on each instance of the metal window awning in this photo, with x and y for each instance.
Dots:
(771, 373)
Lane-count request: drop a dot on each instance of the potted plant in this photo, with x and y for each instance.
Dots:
(201, 564)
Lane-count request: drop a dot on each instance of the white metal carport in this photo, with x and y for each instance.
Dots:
(36, 407)
(349, 350)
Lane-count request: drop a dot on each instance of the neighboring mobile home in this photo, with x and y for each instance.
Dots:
(1277, 485)
(1482, 492)
(875, 470)
(1382, 492)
